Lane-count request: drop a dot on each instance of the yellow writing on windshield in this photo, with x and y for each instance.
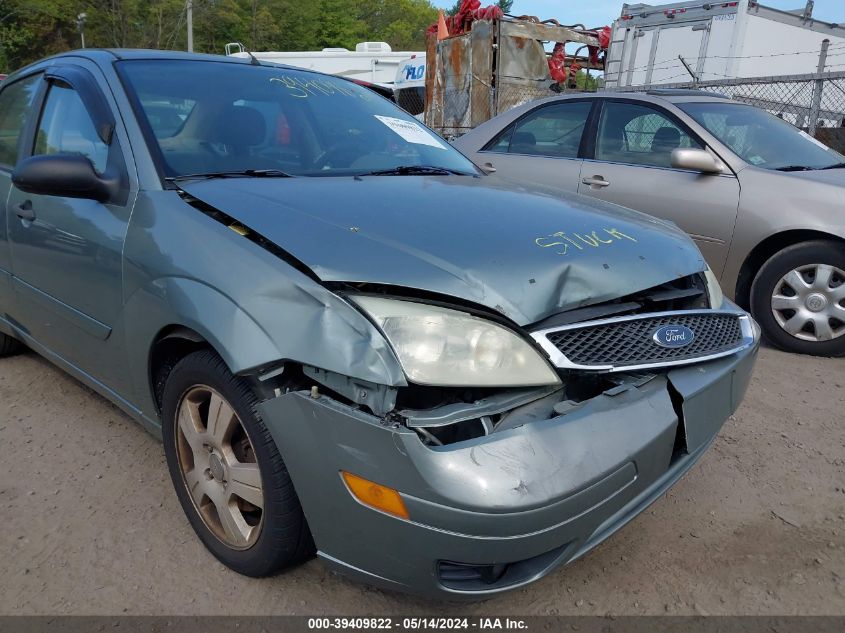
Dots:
(563, 242)
(304, 88)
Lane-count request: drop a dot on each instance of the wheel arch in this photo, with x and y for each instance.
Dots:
(172, 317)
(171, 344)
(761, 253)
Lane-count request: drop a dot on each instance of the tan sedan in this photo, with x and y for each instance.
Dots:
(762, 199)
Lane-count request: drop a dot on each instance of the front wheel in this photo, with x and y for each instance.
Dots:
(227, 471)
(798, 298)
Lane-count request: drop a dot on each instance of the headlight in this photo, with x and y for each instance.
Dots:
(714, 290)
(438, 346)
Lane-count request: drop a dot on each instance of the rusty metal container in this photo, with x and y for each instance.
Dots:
(493, 67)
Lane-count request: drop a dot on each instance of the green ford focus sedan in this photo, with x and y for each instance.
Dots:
(351, 341)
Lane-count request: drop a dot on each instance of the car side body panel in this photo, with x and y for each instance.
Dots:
(773, 203)
(251, 306)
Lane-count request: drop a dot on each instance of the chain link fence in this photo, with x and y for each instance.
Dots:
(812, 102)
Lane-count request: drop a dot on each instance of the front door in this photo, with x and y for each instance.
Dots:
(632, 167)
(67, 253)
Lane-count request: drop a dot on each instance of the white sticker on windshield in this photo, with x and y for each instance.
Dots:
(411, 132)
(815, 140)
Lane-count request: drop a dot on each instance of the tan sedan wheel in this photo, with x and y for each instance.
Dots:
(798, 298)
(219, 468)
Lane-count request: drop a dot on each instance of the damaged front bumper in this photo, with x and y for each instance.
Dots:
(496, 512)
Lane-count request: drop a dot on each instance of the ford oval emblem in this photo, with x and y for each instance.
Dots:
(673, 336)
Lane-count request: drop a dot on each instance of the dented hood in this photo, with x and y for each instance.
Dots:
(525, 252)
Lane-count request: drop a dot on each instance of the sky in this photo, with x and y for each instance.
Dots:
(595, 13)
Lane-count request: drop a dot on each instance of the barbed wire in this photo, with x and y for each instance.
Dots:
(839, 49)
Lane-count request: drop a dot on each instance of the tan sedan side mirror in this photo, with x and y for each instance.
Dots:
(696, 160)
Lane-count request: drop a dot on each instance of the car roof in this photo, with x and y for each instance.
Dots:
(111, 54)
(108, 55)
(672, 95)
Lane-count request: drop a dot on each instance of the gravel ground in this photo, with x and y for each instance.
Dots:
(91, 524)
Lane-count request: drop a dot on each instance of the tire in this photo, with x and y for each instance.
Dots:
(282, 538)
(8, 345)
(817, 270)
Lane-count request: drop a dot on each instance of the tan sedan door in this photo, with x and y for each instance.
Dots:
(542, 146)
(632, 167)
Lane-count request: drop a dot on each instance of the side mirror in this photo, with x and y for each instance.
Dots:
(696, 160)
(66, 175)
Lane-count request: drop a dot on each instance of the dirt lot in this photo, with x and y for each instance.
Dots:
(91, 525)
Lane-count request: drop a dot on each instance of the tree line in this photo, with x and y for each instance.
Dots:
(32, 29)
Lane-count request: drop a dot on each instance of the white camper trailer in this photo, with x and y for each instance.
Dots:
(717, 40)
(373, 62)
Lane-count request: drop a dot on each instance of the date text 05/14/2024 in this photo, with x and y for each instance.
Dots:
(416, 623)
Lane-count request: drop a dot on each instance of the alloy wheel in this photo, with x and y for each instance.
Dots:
(809, 302)
(219, 467)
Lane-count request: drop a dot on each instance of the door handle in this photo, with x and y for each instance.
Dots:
(596, 181)
(25, 211)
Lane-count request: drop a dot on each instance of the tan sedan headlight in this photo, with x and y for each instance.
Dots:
(439, 346)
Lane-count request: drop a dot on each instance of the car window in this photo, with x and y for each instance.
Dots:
(554, 131)
(760, 138)
(209, 117)
(639, 135)
(15, 101)
(166, 116)
(66, 128)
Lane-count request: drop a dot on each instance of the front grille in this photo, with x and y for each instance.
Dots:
(629, 342)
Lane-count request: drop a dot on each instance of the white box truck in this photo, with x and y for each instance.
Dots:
(719, 40)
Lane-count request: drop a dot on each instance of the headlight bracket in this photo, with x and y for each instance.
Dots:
(380, 399)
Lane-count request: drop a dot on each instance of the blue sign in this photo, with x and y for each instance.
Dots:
(414, 72)
(673, 336)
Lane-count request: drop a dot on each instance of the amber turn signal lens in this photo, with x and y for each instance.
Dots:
(375, 495)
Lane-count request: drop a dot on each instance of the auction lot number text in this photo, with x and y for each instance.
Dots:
(413, 624)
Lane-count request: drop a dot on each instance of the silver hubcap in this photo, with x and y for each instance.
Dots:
(219, 468)
(809, 302)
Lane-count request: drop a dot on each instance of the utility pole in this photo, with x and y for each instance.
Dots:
(189, 10)
(80, 26)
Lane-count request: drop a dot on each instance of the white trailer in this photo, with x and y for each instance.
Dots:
(409, 85)
(718, 40)
(374, 62)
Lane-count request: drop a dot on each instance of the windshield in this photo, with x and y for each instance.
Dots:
(207, 117)
(760, 138)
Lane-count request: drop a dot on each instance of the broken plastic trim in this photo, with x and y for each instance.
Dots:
(247, 233)
(457, 422)
(461, 411)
